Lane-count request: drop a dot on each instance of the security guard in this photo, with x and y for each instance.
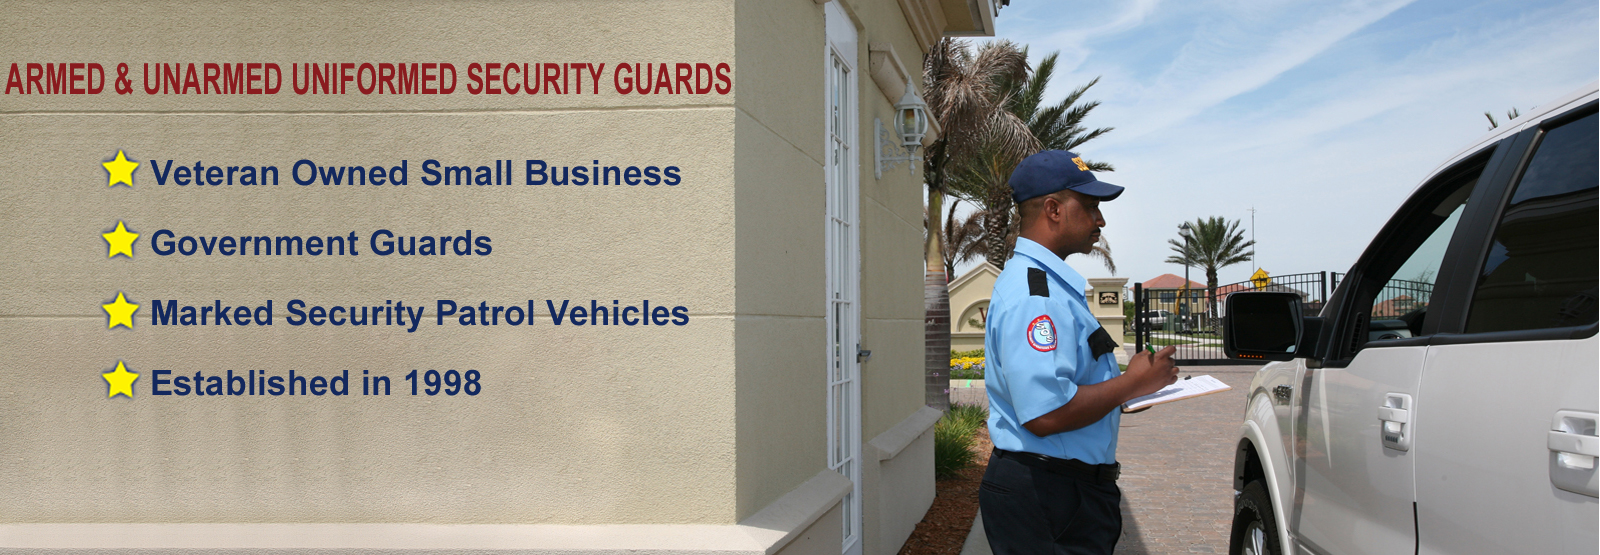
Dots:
(1053, 383)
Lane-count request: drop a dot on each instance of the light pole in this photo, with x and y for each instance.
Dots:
(1188, 255)
(1253, 237)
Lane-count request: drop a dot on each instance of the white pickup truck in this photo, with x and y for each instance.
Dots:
(1444, 400)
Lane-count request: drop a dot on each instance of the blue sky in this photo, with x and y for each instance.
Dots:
(1322, 115)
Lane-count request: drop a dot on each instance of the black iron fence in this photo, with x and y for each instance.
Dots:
(1191, 319)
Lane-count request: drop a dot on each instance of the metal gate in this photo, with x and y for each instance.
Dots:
(1191, 319)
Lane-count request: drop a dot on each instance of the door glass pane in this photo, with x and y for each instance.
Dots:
(838, 344)
(1541, 269)
(847, 434)
(849, 503)
(833, 92)
(840, 421)
(843, 238)
(1399, 287)
(1404, 299)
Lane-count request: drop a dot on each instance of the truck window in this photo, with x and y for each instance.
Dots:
(1541, 268)
(1391, 301)
(1401, 305)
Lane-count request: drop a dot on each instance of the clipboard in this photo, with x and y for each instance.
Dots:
(1194, 386)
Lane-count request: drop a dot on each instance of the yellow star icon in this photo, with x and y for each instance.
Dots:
(120, 312)
(121, 381)
(121, 170)
(121, 241)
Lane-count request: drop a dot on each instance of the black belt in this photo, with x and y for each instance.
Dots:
(1069, 467)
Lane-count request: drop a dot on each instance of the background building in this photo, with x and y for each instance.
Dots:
(969, 300)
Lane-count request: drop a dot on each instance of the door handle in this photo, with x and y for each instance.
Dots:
(1573, 449)
(1394, 419)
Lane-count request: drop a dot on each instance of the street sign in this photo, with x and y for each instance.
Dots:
(1260, 278)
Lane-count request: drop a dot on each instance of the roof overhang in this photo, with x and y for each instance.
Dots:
(932, 20)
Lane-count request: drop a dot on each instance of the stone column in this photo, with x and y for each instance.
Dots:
(1105, 302)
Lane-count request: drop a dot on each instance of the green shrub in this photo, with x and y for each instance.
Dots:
(973, 416)
(952, 449)
(953, 437)
(975, 353)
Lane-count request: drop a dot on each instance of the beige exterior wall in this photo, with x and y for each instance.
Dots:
(569, 429)
(780, 136)
(782, 410)
(717, 424)
(891, 236)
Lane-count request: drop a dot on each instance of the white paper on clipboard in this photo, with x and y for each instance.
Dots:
(1183, 389)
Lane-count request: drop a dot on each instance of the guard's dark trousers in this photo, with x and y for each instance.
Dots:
(1028, 509)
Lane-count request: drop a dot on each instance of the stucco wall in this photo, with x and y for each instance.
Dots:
(574, 425)
(780, 329)
(891, 239)
(780, 136)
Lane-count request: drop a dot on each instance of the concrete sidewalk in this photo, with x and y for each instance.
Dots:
(1177, 472)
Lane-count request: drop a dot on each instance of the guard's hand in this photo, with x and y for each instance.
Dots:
(1151, 372)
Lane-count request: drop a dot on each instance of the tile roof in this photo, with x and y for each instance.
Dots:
(1398, 306)
(1169, 281)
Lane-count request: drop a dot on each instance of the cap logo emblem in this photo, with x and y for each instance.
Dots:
(1079, 161)
(1042, 334)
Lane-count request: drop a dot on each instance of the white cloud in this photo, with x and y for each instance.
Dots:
(1325, 147)
(1236, 52)
(1065, 28)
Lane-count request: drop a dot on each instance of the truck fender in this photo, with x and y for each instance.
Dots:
(1252, 444)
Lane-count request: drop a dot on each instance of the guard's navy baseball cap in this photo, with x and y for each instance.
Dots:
(1053, 170)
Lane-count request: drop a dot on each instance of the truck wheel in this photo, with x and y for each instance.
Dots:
(1255, 532)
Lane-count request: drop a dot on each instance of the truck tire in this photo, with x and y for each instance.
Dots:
(1255, 531)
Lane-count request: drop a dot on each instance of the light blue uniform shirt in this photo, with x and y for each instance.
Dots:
(1037, 355)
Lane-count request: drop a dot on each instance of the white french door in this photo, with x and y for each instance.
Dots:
(843, 256)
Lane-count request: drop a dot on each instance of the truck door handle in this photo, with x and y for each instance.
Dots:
(1573, 448)
(1394, 419)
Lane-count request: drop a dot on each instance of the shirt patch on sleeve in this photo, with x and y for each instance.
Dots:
(1042, 334)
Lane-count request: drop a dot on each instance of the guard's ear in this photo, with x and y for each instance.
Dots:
(1052, 208)
(1058, 211)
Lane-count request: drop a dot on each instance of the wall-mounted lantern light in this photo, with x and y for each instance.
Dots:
(910, 123)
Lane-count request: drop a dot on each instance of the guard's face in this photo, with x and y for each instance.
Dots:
(1083, 222)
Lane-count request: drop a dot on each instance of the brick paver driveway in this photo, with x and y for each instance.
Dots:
(1177, 469)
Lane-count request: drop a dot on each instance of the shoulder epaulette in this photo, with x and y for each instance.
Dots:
(1038, 283)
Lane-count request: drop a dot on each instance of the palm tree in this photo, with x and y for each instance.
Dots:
(963, 240)
(961, 91)
(1102, 251)
(1058, 127)
(983, 176)
(1211, 243)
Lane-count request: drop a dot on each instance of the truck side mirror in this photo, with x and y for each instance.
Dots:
(1262, 325)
